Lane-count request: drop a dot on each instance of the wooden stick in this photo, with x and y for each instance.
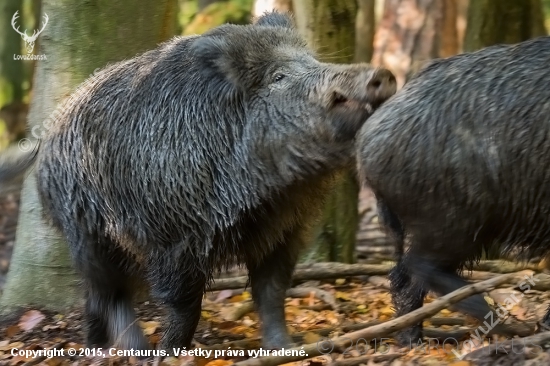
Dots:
(384, 329)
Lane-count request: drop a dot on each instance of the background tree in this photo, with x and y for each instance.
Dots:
(412, 32)
(329, 27)
(82, 37)
(11, 72)
(492, 22)
(365, 26)
(262, 6)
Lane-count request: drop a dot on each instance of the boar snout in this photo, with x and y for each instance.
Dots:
(380, 87)
(358, 96)
(367, 89)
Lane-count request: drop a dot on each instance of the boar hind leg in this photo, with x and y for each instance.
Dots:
(441, 277)
(407, 295)
(178, 283)
(270, 279)
(108, 313)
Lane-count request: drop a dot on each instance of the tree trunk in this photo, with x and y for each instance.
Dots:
(329, 27)
(262, 6)
(413, 32)
(82, 37)
(11, 71)
(365, 24)
(461, 21)
(492, 22)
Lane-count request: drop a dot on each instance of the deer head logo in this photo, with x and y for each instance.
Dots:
(29, 41)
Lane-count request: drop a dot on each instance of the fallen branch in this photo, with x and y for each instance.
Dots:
(318, 271)
(367, 359)
(502, 266)
(384, 329)
(330, 270)
(506, 346)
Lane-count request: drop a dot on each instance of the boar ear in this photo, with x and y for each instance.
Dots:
(216, 58)
(275, 19)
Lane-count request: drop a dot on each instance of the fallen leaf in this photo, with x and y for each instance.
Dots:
(387, 310)
(5, 346)
(74, 345)
(16, 345)
(343, 296)
(171, 361)
(489, 300)
(519, 312)
(311, 298)
(54, 361)
(223, 295)
(340, 281)
(239, 330)
(461, 363)
(18, 359)
(311, 337)
(227, 324)
(154, 338)
(30, 319)
(149, 327)
(293, 302)
(48, 327)
(219, 363)
(12, 330)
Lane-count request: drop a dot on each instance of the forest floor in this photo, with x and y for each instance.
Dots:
(317, 312)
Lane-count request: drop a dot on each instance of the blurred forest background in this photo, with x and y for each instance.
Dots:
(81, 37)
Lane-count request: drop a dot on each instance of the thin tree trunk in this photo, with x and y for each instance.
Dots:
(329, 27)
(449, 29)
(461, 21)
(492, 22)
(365, 26)
(83, 36)
(11, 71)
(262, 6)
(413, 32)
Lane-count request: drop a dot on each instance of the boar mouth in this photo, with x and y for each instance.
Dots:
(349, 114)
(341, 101)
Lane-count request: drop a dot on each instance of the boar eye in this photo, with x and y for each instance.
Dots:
(278, 77)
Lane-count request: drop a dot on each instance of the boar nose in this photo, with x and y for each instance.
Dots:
(381, 86)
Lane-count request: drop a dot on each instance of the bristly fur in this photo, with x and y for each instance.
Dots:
(207, 151)
(459, 158)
